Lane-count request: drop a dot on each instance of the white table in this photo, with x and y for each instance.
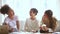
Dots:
(33, 33)
(23, 33)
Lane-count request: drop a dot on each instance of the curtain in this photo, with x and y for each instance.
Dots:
(22, 7)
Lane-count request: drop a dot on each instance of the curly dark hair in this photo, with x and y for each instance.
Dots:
(4, 9)
(34, 10)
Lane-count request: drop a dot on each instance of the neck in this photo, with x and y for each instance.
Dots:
(33, 18)
(11, 17)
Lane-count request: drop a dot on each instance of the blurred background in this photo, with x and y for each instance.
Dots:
(22, 8)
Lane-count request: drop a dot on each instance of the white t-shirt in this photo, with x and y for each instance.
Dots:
(11, 23)
(31, 25)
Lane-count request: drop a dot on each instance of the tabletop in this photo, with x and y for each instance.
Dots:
(32, 33)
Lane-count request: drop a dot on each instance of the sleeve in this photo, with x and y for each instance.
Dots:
(26, 25)
(41, 22)
(37, 23)
(16, 18)
(6, 20)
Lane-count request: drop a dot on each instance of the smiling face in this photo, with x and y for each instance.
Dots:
(10, 12)
(45, 18)
(45, 15)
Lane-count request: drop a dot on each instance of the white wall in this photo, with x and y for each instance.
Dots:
(22, 7)
(0, 3)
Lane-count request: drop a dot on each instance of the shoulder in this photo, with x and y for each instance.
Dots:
(28, 19)
(15, 16)
(54, 19)
(6, 18)
(37, 20)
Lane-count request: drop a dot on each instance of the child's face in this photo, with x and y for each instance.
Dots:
(10, 13)
(32, 14)
(45, 18)
(45, 15)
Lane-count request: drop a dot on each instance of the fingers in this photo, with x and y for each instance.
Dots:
(44, 28)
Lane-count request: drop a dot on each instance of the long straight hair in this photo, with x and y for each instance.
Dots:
(52, 21)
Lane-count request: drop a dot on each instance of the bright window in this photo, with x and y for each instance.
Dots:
(22, 7)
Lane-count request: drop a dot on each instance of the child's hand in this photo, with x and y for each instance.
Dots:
(12, 30)
(34, 31)
(40, 27)
(44, 28)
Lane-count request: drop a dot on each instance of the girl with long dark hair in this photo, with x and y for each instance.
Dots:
(49, 22)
